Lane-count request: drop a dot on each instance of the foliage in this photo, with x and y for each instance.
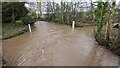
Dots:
(19, 22)
(100, 14)
(28, 20)
(105, 15)
(12, 11)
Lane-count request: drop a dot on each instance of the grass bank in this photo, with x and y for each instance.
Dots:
(10, 30)
(113, 44)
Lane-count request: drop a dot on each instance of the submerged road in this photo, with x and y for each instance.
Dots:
(52, 44)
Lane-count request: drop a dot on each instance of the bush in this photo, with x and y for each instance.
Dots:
(28, 20)
(19, 22)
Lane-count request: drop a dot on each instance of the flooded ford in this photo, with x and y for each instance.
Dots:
(51, 44)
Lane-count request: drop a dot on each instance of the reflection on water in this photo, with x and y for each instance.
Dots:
(57, 45)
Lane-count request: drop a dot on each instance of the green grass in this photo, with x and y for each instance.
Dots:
(9, 30)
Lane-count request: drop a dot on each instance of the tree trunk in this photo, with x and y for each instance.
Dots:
(93, 15)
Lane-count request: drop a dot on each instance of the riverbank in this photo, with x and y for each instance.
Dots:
(114, 48)
(9, 30)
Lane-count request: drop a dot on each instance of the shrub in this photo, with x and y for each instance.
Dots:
(28, 20)
(19, 22)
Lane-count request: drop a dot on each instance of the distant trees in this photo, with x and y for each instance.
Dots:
(66, 12)
(39, 4)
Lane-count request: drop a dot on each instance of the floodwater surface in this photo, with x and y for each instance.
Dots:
(51, 44)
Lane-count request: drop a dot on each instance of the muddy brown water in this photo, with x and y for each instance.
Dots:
(52, 44)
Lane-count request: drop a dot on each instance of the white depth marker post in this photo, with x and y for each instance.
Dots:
(73, 24)
(29, 27)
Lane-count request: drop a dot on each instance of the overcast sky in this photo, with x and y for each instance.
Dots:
(53, 0)
(68, 0)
